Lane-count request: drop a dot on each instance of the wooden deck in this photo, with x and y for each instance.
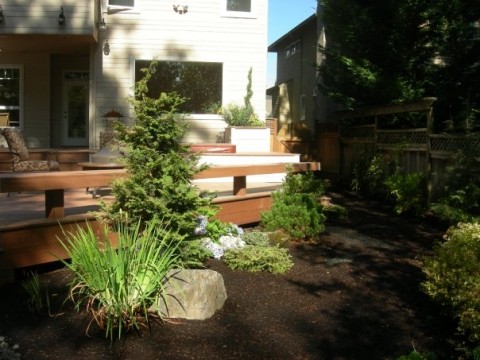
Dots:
(32, 221)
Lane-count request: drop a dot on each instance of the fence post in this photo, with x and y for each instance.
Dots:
(428, 170)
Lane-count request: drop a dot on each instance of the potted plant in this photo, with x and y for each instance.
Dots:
(244, 128)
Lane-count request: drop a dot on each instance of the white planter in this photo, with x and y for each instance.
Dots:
(248, 139)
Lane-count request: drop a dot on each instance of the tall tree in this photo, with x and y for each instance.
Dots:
(387, 51)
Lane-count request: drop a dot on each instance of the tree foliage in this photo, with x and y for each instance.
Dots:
(159, 165)
(390, 51)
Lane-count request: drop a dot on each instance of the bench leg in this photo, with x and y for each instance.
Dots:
(54, 204)
(239, 185)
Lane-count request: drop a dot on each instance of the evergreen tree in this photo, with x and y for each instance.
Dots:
(390, 51)
(160, 167)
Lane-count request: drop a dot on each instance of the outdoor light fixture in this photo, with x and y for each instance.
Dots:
(2, 17)
(102, 26)
(61, 17)
(180, 9)
(106, 48)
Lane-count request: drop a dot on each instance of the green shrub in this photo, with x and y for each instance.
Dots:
(460, 200)
(298, 215)
(297, 210)
(259, 258)
(408, 192)
(279, 238)
(453, 276)
(450, 213)
(159, 165)
(334, 212)
(256, 238)
(242, 115)
(415, 355)
(193, 254)
(117, 286)
(371, 171)
(303, 183)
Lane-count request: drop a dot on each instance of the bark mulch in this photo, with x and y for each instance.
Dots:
(354, 294)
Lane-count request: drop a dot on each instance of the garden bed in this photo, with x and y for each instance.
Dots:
(353, 295)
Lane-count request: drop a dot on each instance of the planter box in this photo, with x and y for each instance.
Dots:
(248, 139)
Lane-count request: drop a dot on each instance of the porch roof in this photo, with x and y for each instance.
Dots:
(64, 44)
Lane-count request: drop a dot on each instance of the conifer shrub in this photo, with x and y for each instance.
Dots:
(297, 210)
(159, 165)
(270, 259)
(299, 215)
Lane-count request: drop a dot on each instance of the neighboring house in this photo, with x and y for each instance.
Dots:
(296, 101)
(60, 70)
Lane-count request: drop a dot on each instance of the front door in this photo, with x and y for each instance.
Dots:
(75, 109)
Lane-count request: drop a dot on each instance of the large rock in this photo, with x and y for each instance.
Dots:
(192, 294)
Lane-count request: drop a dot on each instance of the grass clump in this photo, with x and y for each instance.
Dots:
(117, 285)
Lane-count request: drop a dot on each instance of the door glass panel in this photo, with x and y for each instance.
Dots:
(77, 116)
(10, 79)
(75, 108)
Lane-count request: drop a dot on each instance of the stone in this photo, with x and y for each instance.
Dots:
(192, 294)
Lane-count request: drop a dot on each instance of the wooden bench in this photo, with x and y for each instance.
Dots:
(55, 183)
(34, 242)
(213, 148)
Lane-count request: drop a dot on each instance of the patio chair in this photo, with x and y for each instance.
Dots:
(20, 157)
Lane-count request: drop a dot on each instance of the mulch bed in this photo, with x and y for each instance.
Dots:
(355, 294)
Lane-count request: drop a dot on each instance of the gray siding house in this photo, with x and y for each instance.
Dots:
(296, 101)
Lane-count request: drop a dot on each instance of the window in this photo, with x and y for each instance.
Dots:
(10, 93)
(292, 49)
(199, 82)
(121, 3)
(303, 107)
(239, 5)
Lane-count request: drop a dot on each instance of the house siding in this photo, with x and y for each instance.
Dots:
(41, 17)
(154, 30)
(297, 74)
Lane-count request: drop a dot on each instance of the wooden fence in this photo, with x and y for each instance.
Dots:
(418, 149)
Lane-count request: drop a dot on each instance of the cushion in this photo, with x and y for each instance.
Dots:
(35, 165)
(16, 144)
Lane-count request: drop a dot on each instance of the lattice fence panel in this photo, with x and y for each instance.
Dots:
(407, 137)
(450, 144)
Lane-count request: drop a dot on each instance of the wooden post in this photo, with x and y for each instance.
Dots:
(428, 155)
(239, 185)
(54, 204)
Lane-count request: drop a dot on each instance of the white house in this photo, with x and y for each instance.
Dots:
(64, 64)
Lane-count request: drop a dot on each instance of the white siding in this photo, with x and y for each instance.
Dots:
(41, 17)
(154, 30)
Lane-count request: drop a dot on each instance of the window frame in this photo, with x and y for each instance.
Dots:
(240, 14)
(193, 115)
(296, 45)
(121, 7)
(20, 106)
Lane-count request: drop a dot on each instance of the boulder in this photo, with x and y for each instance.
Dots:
(192, 294)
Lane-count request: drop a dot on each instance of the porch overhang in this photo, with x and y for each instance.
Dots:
(62, 44)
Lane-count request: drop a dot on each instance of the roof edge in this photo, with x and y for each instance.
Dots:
(272, 46)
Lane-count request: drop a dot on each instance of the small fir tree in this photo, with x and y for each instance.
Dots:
(160, 167)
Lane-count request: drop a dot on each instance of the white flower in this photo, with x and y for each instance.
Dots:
(215, 248)
(231, 242)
